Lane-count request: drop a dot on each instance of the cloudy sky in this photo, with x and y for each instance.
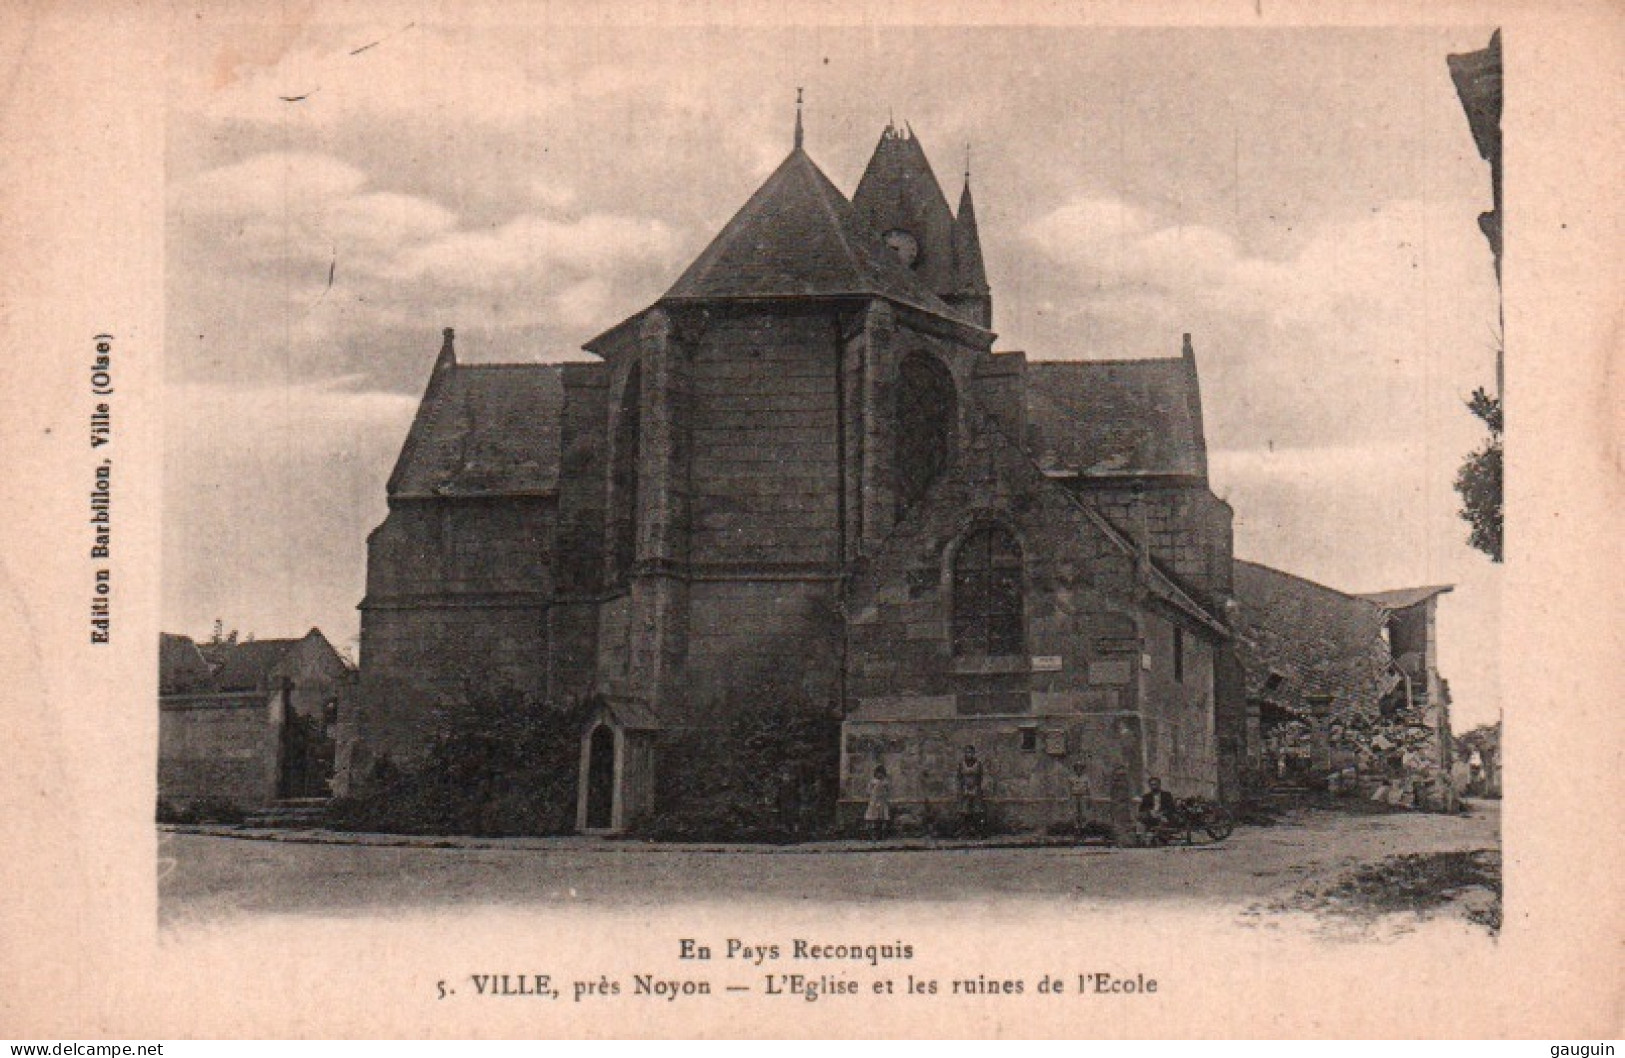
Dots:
(1303, 202)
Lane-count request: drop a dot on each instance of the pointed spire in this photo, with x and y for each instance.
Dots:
(970, 274)
(798, 119)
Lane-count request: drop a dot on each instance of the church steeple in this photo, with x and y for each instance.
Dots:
(900, 199)
(798, 119)
(970, 290)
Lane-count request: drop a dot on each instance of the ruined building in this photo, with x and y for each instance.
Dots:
(1344, 690)
(804, 471)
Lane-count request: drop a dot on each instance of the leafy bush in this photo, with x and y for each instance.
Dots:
(501, 763)
(769, 774)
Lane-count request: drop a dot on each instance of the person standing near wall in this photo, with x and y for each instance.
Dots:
(878, 814)
(972, 794)
(1078, 786)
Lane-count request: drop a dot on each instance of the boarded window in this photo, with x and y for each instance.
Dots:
(925, 421)
(987, 594)
(624, 479)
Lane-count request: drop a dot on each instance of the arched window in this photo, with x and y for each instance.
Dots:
(925, 425)
(987, 593)
(624, 479)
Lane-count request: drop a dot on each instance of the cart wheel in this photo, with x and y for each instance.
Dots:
(1219, 825)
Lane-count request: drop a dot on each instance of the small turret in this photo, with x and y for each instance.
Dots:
(970, 292)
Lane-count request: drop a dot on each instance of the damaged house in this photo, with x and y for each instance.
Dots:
(1344, 690)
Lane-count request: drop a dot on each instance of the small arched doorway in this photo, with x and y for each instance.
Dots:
(601, 779)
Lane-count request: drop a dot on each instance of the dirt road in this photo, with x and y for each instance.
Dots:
(208, 877)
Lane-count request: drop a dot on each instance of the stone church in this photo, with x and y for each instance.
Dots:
(805, 471)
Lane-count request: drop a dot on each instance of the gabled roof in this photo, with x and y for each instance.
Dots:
(798, 236)
(188, 667)
(483, 430)
(1405, 598)
(1315, 640)
(243, 666)
(1111, 418)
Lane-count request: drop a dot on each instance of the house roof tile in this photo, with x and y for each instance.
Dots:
(1315, 640)
(1405, 598)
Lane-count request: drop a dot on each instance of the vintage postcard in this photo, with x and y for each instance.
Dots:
(569, 520)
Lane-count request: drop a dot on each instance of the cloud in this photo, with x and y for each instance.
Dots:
(528, 247)
(268, 184)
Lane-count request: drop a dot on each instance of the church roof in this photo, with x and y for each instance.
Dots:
(970, 275)
(798, 236)
(484, 430)
(1116, 418)
(899, 190)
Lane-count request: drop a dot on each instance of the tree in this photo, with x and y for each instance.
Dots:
(1479, 480)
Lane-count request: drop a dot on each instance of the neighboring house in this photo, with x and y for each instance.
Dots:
(805, 472)
(1343, 689)
(248, 723)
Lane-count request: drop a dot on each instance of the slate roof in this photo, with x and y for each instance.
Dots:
(899, 189)
(970, 274)
(182, 669)
(484, 430)
(188, 667)
(1112, 418)
(243, 666)
(798, 236)
(1405, 598)
(1315, 639)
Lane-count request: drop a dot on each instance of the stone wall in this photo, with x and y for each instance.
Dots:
(1027, 763)
(1190, 529)
(1178, 709)
(772, 636)
(765, 476)
(1076, 582)
(220, 747)
(457, 591)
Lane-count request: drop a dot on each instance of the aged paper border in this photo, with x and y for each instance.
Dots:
(82, 956)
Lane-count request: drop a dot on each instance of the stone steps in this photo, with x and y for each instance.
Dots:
(294, 813)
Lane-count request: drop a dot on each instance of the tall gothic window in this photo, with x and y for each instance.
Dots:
(925, 425)
(987, 594)
(624, 479)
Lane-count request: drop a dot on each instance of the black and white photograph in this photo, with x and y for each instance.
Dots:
(795, 437)
(782, 487)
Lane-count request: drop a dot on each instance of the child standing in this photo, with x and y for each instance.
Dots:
(878, 815)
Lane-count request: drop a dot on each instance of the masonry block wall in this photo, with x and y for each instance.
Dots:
(1178, 697)
(1027, 762)
(1190, 529)
(457, 591)
(219, 747)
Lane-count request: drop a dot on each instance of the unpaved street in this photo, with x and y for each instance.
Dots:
(209, 877)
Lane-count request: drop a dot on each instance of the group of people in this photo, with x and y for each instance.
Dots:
(970, 781)
(1156, 806)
